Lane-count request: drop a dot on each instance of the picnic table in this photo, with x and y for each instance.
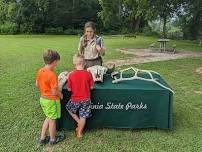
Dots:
(163, 44)
(127, 104)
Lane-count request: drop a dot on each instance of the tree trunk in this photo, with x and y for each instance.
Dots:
(136, 23)
(164, 26)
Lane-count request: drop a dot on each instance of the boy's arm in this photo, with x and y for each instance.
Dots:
(68, 88)
(37, 84)
(92, 87)
(92, 83)
(54, 86)
(56, 92)
(37, 80)
(69, 82)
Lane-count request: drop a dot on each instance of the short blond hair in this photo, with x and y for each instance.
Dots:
(78, 59)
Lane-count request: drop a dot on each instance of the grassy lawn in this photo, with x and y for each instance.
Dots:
(21, 115)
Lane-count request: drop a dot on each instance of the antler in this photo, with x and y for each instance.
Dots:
(136, 77)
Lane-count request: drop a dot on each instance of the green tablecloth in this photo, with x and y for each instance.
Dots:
(128, 104)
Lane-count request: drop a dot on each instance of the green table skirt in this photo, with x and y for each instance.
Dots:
(128, 104)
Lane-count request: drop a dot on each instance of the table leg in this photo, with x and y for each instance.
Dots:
(161, 46)
(164, 46)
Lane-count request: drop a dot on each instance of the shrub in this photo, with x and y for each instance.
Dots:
(73, 32)
(8, 28)
(54, 30)
(175, 33)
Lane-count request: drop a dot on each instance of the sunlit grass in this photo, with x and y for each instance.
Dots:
(21, 115)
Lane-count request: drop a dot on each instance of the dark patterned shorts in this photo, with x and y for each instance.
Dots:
(83, 107)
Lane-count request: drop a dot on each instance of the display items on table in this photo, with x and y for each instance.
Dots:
(118, 76)
(98, 71)
(62, 79)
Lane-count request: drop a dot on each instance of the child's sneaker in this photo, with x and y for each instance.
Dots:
(57, 139)
(42, 142)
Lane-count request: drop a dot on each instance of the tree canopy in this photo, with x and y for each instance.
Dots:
(67, 16)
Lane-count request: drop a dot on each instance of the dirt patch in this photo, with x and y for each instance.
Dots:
(198, 92)
(147, 55)
(199, 70)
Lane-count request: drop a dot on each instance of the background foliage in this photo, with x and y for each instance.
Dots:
(111, 16)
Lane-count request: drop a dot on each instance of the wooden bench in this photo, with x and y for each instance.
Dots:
(171, 50)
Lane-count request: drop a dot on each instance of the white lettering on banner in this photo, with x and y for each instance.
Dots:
(111, 105)
(96, 106)
(136, 106)
(119, 106)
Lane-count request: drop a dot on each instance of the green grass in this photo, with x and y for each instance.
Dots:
(21, 115)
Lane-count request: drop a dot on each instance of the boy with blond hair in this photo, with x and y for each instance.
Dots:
(80, 82)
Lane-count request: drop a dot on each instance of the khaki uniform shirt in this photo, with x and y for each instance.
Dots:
(90, 51)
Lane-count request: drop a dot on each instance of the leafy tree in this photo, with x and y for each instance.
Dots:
(110, 13)
(166, 9)
(37, 15)
(137, 13)
(191, 19)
